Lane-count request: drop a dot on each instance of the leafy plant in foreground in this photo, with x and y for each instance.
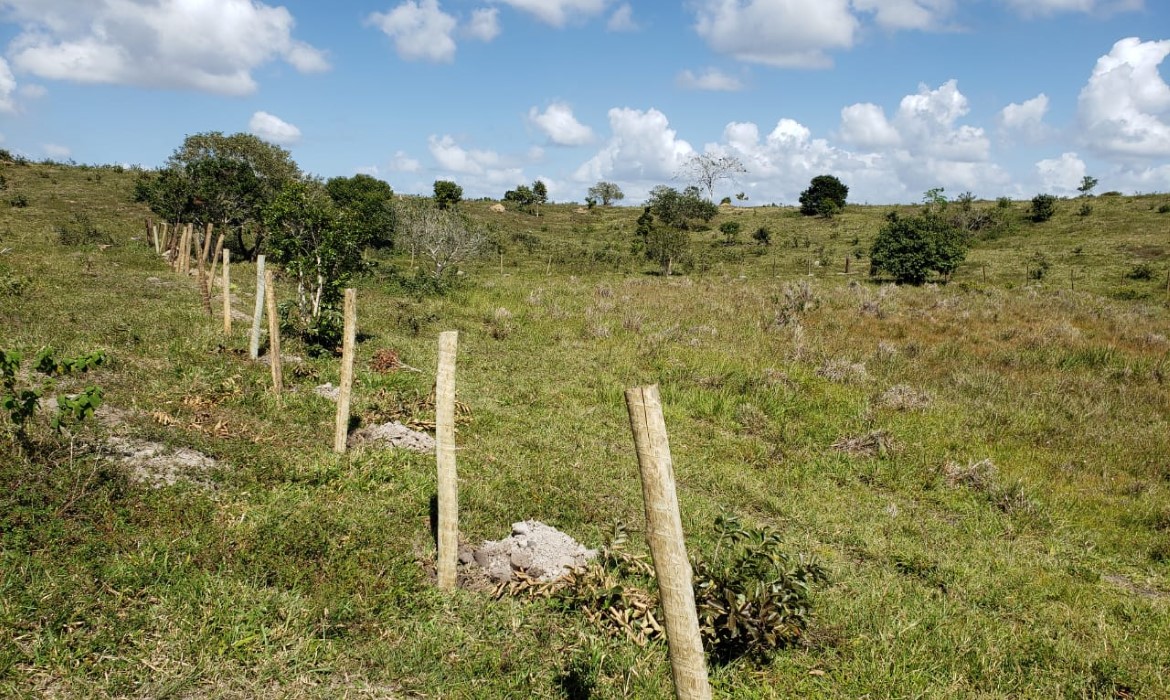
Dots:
(21, 402)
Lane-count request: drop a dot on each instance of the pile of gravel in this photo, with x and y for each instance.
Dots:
(393, 434)
(542, 552)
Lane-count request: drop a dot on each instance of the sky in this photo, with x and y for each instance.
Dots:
(894, 97)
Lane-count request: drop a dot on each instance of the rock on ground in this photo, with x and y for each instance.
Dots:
(542, 552)
(395, 435)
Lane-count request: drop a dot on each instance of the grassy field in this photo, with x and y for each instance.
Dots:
(1010, 538)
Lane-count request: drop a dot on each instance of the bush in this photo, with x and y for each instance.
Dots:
(821, 188)
(81, 230)
(1004, 202)
(730, 230)
(447, 194)
(1141, 271)
(18, 200)
(762, 236)
(1085, 210)
(1038, 266)
(909, 249)
(1043, 207)
(1164, 209)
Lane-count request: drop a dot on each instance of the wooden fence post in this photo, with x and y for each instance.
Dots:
(214, 260)
(157, 244)
(204, 287)
(227, 292)
(667, 547)
(206, 244)
(341, 429)
(445, 460)
(254, 342)
(273, 333)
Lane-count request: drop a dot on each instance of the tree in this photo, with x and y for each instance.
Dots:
(443, 236)
(315, 241)
(910, 248)
(763, 236)
(606, 193)
(540, 192)
(1087, 185)
(704, 170)
(447, 194)
(369, 203)
(730, 230)
(822, 188)
(681, 210)
(1043, 207)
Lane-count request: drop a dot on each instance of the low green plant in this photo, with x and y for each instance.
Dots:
(18, 201)
(1043, 207)
(1140, 271)
(730, 231)
(1164, 209)
(21, 400)
(1085, 210)
(762, 236)
(1038, 266)
(81, 230)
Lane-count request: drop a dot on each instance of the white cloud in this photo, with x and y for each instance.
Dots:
(1125, 107)
(421, 31)
(7, 87)
(907, 14)
(560, 126)
(403, 163)
(710, 79)
(926, 123)
(484, 24)
(786, 33)
(642, 149)
(1026, 118)
(558, 12)
(622, 19)
(32, 91)
(371, 170)
(1061, 175)
(865, 125)
(212, 46)
(273, 129)
(454, 158)
(57, 151)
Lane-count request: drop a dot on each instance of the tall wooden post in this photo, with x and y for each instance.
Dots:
(227, 292)
(667, 547)
(257, 315)
(341, 427)
(206, 244)
(273, 334)
(215, 260)
(445, 459)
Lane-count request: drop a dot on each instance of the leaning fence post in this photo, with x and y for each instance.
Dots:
(273, 333)
(227, 292)
(445, 460)
(341, 429)
(254, 342)
(667, 547)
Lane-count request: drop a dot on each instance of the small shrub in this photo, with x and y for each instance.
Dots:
(81, 230)
(1164, 209)
(1085, 210)
(3, 183)
(799, 299)
(730, 230)
(1140, 271)
(22, 402)
(1004, 202)
(1038, 266)
(762, 236)
(19, 201)
(1043, 207)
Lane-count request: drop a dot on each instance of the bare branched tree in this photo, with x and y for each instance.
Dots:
(442, 236)
(705, 169)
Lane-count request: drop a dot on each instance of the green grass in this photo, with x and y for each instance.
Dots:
(305, 574)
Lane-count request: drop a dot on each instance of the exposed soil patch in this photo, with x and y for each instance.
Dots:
(872, 444)
(157, 465)
(1127, 585)
(392, 434)
(541, 552)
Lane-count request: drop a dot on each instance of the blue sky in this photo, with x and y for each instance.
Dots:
(996, 97)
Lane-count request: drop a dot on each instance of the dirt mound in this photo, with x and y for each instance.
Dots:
(393, 434)
(540, 551)
(157, 465)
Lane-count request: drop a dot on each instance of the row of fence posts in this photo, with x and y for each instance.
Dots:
(664, 531)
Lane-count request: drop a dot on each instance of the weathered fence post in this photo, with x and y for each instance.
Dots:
(667, 547)
(214, 261)
(448, 536)
(341, 431)
(206, 244)
(227, 292)
(254, 342)
(273, 333)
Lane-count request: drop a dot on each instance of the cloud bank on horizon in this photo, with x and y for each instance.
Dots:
(996, 97)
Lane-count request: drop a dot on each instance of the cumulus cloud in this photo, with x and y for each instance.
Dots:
(865, 125)
(558, 13)
(622, 20)
(487, 169)
(1034, 8)
(785, 33)
(711, 79)
(273, 129)
(926, 123)
(560, 126)
(7, 88)
(642, 149)
(907, 14)
(212, 46)
(1125, 107)
(54, 150)
(1061, 175)
(403, 163)
(484, 24)
(1025, 118)
(421, 31)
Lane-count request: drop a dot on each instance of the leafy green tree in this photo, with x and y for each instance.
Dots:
(447, 194)
(606, 192)
(315, 241)
(910, 248)
(682, 210)
(763, 236)
(523, 197)
(1043, 207)
(369, 204)
(1087, 185)
(540, 192)
(730, 230)
(821, 188)
(668, 246)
